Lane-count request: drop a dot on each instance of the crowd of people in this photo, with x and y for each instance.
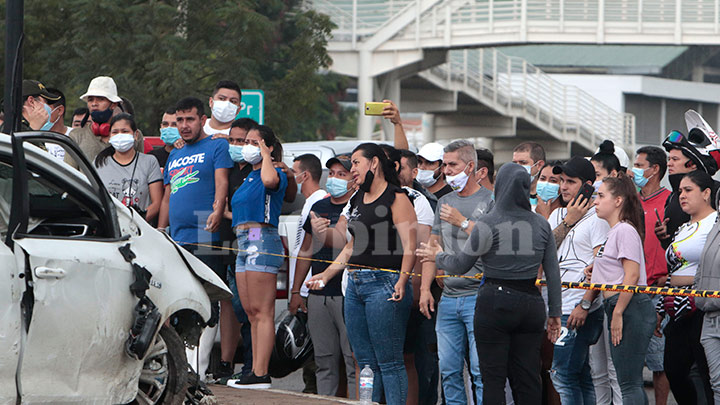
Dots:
(423, 265)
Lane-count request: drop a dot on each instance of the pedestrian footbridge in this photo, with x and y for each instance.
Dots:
(441, 51)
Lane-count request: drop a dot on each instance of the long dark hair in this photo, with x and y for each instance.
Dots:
(267, 135)
(369, 151)
(631, 211)
(109, 151)
(704, 181)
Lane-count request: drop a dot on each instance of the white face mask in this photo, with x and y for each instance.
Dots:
(122, 142)
(426, 177)
(224, 111)
(251, 154)
(458, 181)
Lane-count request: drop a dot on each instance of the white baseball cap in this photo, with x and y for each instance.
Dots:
(432, 152)
(102, 86)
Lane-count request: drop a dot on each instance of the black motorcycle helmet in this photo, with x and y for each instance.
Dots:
(701, 145)
(292, 344)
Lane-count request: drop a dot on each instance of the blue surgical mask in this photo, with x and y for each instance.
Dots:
(528, 169)
(547, 191)
(336, 187)
(596, 186)
(236, 153)
(169, 135)
(49, 124)
(639, 177)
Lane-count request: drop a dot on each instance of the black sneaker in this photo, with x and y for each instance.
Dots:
(225, 369)
(251, 381)
(224, 380)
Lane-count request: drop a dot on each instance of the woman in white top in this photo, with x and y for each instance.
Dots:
(131, 177)
(682, 333)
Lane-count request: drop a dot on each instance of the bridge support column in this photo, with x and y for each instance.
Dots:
(365, 93)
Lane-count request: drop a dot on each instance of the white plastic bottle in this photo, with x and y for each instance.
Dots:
(366, 385)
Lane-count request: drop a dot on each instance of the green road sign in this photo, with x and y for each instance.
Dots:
(252, 105)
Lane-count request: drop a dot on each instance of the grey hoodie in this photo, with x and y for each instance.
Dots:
(511, 240)
(708, 275)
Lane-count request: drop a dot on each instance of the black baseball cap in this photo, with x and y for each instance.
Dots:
(578, 167)
(344, 162)
(35, 88)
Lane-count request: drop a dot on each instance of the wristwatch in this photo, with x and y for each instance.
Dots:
(464, 224)
(585, 304)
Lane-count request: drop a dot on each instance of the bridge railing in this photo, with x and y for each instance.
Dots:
(517, 88)
(592, 20)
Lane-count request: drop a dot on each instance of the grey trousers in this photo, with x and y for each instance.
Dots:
(330, 343)
(710, 339)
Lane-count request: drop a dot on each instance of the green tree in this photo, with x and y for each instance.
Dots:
(160, 51)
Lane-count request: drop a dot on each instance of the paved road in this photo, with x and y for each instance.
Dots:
(288, 390)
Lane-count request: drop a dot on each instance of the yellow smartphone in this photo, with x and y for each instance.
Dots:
(375, 108)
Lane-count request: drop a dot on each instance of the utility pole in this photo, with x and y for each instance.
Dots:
(14, 10)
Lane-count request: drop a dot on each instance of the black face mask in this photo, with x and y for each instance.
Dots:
(101, 117)
(369, 177)
(674, 180)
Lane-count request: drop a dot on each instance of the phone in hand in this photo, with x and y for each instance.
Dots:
(375, 108)
(659, 221)
(586, 190)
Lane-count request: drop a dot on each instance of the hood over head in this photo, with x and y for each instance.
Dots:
(512, 188)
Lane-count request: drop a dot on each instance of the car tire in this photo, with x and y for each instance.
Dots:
(164, 377)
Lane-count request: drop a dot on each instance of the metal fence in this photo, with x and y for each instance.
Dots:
(514, 87)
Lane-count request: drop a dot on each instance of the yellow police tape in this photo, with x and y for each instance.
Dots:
(641, 289)
(476, 276)
(687, 292)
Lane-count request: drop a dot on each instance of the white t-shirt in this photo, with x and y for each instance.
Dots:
(300, 235)
(576, 252)
(56, 150)
(683, 254)
(423, 210)
(210, 131)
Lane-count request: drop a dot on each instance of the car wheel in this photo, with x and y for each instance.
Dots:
(163, 379)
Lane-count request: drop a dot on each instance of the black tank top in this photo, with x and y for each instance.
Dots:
(376, 242)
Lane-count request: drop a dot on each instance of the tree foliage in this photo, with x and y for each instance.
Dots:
(159, 51)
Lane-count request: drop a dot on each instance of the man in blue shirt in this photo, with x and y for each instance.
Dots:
(196, 184)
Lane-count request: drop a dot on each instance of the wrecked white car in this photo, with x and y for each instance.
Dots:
(95, 305)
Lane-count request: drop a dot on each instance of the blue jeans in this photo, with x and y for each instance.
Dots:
(455, 332)
(629, 356)
(570, 372)
(376, 330)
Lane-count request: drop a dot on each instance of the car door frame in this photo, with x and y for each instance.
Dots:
(28, 263)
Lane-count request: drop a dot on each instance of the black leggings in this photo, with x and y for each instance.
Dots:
(509, 327)
(682, 350)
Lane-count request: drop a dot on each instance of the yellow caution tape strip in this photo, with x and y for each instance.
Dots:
(641, 289)
(475, 277)
(687, 292)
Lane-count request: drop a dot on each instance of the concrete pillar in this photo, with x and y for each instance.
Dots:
(365, 93)
(428, 128)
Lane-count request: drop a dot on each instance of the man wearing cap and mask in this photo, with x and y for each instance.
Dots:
(696, 151)
(103, 103)
(430, 174)
(325, 307)
(579, 234)
(36, 106)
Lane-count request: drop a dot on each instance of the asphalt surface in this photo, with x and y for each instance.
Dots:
(288, 390)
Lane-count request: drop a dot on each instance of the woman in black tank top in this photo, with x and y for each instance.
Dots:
(382, 224)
